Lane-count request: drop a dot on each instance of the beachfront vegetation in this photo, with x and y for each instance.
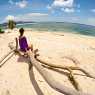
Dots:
(1, 30)
(11, 24)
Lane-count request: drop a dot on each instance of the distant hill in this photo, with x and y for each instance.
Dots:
(19, 22)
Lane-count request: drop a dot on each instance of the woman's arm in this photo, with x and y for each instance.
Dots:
(16, 43)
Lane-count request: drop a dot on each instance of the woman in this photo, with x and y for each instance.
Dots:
(23, 41)
(23, 44)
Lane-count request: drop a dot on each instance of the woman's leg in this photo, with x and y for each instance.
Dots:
(31, 47)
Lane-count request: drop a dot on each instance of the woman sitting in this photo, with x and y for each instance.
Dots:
(23, 44)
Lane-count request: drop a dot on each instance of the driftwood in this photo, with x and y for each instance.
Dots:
(66, 67)
(51, 81)
(70, 76)
(5, 58)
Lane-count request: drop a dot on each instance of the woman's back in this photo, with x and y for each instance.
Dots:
(23, 43)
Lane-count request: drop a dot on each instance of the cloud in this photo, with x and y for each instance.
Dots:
(63, 3)
(92, 10)
(27, 17)
(49, 7)
(68, 10)
(31, 17)
(9, 17)
(22, 4)
(67, 6)
(91, 21)
(36, 14)
(11, 2)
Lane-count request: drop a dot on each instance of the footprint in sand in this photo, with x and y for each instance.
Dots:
(6, 92)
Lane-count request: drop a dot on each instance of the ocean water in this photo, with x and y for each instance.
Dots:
(61, 27)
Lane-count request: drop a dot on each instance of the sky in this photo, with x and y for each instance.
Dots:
(75, 11)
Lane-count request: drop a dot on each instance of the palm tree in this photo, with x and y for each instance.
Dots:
(11, 24)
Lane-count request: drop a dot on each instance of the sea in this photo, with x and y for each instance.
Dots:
(60, 27)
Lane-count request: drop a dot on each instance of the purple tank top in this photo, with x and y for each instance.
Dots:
(23, 44)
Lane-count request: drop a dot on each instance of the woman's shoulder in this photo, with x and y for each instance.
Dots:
(22, 37)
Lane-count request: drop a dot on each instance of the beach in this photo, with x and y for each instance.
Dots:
(55, 48)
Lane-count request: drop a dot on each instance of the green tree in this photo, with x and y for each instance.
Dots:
(11, 24)
(1, 30)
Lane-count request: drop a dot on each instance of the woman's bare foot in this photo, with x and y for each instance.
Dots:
(35, 51)
(36, 55)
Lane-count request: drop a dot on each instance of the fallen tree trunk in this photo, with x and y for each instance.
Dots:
(5, 57)
(51, 81)
(66, 67)
(70, 76)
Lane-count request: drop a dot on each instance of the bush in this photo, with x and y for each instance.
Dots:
(1, 31)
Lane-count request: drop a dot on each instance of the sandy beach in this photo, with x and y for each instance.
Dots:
(55, 48)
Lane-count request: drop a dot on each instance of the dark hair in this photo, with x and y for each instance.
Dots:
(21, 31)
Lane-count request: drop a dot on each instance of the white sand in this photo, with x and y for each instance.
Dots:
(15, 78)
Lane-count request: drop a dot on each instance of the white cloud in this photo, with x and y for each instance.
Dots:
(22, 4)
(68, 10)
(88, 21)
(11, 2)
(63, 3)
(75, 19)
(36, 14)
(9, 17)
(93, 10)
(49, 7)
(27, 17)
(91, 21)
(31, 17)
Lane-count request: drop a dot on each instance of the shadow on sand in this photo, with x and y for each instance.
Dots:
(31, 75)
(34, 82)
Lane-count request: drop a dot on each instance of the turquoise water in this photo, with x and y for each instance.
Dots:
(61, 26)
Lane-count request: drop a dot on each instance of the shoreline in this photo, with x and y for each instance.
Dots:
(55, 32)
(59, 32)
